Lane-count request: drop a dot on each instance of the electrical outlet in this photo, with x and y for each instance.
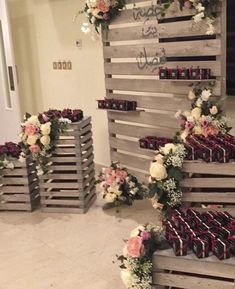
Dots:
(79, 43)
(55, 66)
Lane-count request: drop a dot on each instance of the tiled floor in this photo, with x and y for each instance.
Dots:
(43, 251)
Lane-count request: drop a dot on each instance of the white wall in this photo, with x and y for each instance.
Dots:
(43, 32)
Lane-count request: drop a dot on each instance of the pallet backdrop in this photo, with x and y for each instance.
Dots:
(132, 48)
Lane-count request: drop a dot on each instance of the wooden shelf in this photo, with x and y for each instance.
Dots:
(189, 80)
(122, 111)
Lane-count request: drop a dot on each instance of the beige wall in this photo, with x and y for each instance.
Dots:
(43, 32)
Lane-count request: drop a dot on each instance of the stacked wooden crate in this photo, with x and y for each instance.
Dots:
(190, 272)
(19, 190)
(209, 184)
(69, 186)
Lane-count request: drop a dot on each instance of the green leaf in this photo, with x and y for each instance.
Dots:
(175, 173)
(152, 190)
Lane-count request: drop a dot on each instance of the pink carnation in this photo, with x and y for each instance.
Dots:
(34, 149)
(108, 171)
(187, 4)
(145, 235)
(135, 247)
(30, 129)
(102, 6)
(111, 180)
(210, 130)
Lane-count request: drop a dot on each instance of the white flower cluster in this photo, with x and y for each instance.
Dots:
(174, 198)
(176, 158)
(169, 185)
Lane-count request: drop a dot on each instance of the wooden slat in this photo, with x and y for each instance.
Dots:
(152, 85)
(15, 207)
(132, 68)
(190, 282)
(139, 131)
(210, 266)
(129, 146)
(209, 183)
(172, 49)
(200, 167)
(212, 197)
(158, 119)
(164, 30)
(155, 102)
(128, 160)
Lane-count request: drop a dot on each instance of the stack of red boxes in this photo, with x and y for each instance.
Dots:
(204, 234)
(117, 104)
(185, 73)
(153, 142)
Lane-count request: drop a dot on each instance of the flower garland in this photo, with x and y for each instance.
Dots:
(8, 153)
(136, 260)
(205, 10)
(165, 176)
(206, 116)
(100, 13)
(120, 187)
(38, 138)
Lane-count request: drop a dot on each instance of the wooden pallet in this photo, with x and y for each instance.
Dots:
(209, 183)
(69, 186)
(189, 272)
(20, 188)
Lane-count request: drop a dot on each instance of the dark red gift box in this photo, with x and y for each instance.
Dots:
(221, 249)
(180, 246)
(200, 248)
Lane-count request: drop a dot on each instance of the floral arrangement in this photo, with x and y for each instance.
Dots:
(120, 187)
(8, 153)
(165, 176)
(38, 137)
(206, 116)
(136, 260)
(100, 13)
(205, 10)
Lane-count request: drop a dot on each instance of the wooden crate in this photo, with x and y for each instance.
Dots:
(209, 183)
(69, 186)
(189, 272)
(20, 188)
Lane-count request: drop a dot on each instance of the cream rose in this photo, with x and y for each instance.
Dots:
(160, 159)
(45, 140)
(32, 139)
(183, 135)
(197, 130)
(110, 198)
(168, 148)
(196, 113)
(158, 171)
(127, 278)
(191, 95)
(46, 128)
(33, 119)
(214, 110)
(199, 102)
(115, 191)
(136, 231)
(205, 94)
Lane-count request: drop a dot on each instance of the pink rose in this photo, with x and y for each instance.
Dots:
(121, 174)
(30, 129)
(102, 6)
(111, 180)
(135, 247)
(34, 149)
(108, 171)
(210, 130)
(189, 125)
(187, 4)
(145, 235)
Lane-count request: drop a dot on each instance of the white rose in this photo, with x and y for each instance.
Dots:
(206, 95)
(183, 135)
(168, 148)
(136, 231)
(191, 95)
(46, 128)
(197, 130)
(110, 198)
(190, 118)
(158, 171)
(214, 110)
(199, 102)
(45, 140)
(33, 119)
(32, 139)
(159, 158)
(199, 7)
(127, 278)
(196, 113)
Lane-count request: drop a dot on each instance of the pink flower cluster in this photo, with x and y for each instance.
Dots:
(135, 245)
(111, 177)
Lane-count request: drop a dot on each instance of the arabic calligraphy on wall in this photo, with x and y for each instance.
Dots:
(144, 13)
(149, 30)
(145, 62)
